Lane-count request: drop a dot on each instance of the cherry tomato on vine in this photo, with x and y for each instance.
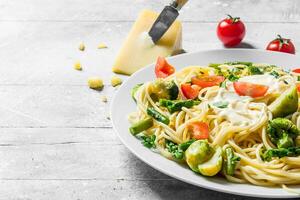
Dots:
(231, 31)
(282, 45)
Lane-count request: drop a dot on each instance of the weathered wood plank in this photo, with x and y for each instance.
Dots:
(53, 106)
(102, 190)
(124, 10)
(33, 167)
(76, 159)
(57, 136)
(73, 161)
(33, 53)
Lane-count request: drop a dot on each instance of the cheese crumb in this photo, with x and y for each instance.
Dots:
(104, 99)
(78, 66)
(102, 46)
(95, 83)
(81, 47)
(115, 81)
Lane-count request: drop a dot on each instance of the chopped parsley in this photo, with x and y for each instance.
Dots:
(239, 63)
(223, 84)
(148, 141)
(176, 150)
(275, 74)
(217, 68)
(235, 70)
(232, 78)
(254, 70)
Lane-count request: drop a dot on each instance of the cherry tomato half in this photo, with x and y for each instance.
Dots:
(190, 91)
(250, 89)
(199, 130)
(298, 87)
(282, 45)
(207, 81)
(297, 70)
(231, 31)
(162, 68)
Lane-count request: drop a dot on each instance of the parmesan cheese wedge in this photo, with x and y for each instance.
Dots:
(138, 49)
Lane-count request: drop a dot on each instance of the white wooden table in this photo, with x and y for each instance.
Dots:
(55, 139)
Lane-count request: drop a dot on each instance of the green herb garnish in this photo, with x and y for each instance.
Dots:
(223, 84)
(275, 74)
(232, 78)
(176, 105)
(238, 63)
(254, 70)
(177, 151)
(148, 141)
(281, 152)
(221, 104)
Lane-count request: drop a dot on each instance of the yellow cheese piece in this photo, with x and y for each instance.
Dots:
(138, 49)
(115, 81)
(78, 66)
(95, 83)
(102, 46)
(81, 47)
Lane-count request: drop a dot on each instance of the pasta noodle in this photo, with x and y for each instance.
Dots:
(241, 125)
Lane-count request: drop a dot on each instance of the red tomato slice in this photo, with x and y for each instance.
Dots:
(250, 89)
(298, 87)
(163, 69)
(190, 91)
(207, 81)
(296, 70)
(200, 130)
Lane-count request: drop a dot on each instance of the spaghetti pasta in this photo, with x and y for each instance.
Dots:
(237, 121)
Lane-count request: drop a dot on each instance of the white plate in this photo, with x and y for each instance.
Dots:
(123, 104)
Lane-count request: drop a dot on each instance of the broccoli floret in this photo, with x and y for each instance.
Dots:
(172, 90)
(279, 153)
(162, 89)
(285, 141)
(282, 132)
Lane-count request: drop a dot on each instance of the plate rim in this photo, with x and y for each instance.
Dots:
(173, 175)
